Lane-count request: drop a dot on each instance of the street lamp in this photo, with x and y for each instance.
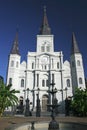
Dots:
(27, 92)
(66, 91)
(61, 73)
(53, 125)
(27, 106)
(38, 107)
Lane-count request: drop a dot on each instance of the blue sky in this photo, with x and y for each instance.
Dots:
(64, 16)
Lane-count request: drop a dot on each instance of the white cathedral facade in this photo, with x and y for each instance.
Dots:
(44, 67)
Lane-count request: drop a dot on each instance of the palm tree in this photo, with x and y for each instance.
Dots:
(7, 97)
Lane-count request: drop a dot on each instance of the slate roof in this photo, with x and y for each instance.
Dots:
(45, 29)
(15, 48)
(75, 48)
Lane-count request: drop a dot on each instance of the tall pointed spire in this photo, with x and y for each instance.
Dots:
(45, 29)
(75, 48)
(15, 49)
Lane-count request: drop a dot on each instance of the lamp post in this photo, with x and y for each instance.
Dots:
(38, 107)
(61, 73)
(27, 106)
(66, 91)
(63, 105)
(53, 125)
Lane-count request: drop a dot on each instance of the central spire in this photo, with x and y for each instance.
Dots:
(45, 29)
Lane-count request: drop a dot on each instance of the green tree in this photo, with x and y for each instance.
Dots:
(7, 97)
(79, 102)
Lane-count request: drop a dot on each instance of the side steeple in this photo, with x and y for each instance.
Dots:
(77, 69)
(14, 63)
(15, 48)
(75, 48)
(45, 29)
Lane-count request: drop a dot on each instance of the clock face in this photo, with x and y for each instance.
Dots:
(44, 60)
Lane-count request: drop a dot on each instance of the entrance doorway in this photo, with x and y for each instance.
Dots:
(44, 102)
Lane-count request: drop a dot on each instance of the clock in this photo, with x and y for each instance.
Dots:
(44, 60)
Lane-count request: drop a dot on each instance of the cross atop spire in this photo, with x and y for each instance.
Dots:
(75, 48)
(45, 29)
(15, 49)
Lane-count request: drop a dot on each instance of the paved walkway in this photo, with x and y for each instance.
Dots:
(17, 120)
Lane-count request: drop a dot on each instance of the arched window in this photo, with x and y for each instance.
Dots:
(33, 65)
(17, 64)
(47, 83)
(53, 77)
(45, 67)
(12, 63)
(43, 83)
(78, 62)
(57, 65)
(22, 82)
(48, 49)
(42, 49)
(10, 81)
(68, 82)
(37, 80)
(80, 80)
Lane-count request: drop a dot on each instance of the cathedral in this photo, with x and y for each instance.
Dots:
(44, 67)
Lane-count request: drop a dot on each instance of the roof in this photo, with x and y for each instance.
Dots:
(15, 48)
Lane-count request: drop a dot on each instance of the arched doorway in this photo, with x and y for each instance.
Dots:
(44, 102)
